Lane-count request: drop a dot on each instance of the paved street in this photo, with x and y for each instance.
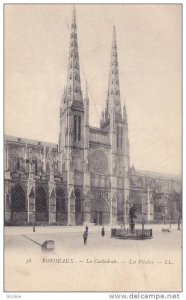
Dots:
(104, 264)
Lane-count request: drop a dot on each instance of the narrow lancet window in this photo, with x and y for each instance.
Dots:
(117, 137)
(75, 128)
(79, 129)
(121, 137)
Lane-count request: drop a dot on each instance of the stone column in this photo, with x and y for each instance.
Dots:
(52, 200)
(110, 208)
(71, 208)
(44, 159)
(87, 206)
(7, 206)
(149, 215)
(7, 159)
(113, 209)
(31, 199)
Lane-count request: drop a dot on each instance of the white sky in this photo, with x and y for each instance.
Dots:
(149, 51)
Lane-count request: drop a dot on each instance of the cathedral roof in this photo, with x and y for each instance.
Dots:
(22, 141)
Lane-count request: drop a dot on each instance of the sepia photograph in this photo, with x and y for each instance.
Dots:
(93, 148)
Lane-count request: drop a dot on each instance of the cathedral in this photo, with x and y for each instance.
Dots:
(86, 178)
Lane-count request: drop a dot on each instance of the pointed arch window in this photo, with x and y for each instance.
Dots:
(79, 128)
(18, 199)
(60, 200)
(35, 166)
(18, 163)
(78, 201)
(121, 137)
(75, 128)
(8, 206)
(117, 137)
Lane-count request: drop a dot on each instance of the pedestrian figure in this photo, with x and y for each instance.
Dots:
(179, 222)
(86, 228)
(132, 216)
(103, 231)
(85, 236)
(33, 227)
(132, 226)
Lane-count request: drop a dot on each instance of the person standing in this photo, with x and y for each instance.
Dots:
(103, 231)
(179, 221)
(85, 236)
(34, 227)
(86, 228)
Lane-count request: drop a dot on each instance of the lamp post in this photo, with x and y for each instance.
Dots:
(143, 218)
(143, 223)
(164, 218)
(179, 221)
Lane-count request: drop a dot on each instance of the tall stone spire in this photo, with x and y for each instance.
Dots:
(113, 98)
(124, 113)
(86, 92)
(73, 77)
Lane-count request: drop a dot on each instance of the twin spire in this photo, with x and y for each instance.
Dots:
(73, 74)
(73, 89)
(113, 101)
(113, 97)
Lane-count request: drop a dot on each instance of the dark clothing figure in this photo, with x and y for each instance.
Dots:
(103, 231)
(34, 228)
(132, 225)
(86, 229)
(179, 222)
(85, 236)
(132, 216)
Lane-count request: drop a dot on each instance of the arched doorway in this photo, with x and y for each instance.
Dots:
(41, 205)
(18, 205)
(61, 215)
(100, 210)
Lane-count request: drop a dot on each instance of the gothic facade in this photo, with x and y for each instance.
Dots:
(86, 177)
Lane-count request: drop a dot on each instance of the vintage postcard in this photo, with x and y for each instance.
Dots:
(92, 148)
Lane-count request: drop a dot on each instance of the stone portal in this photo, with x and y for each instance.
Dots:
(100, 208)
(41, 206)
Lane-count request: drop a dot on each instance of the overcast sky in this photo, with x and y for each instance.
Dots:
(149, 53)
